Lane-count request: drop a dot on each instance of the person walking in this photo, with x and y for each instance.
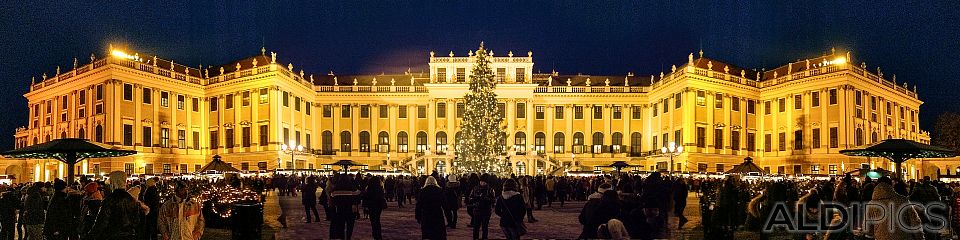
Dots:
(119, 215)
(401, 193)
(480, 204)
(151, 197)
(598, 211)
(374, 202)
(429, 211)
(510, 207)
(680, 189)
(34, 211)
(527, 192)
(451, 197)
(180, 216)
(8, 213)
(62, 213)
(885, 195)
(344, 198)
(92, 200)
(309, 199)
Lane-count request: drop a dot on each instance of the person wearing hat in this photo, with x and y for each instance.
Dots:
(63, 213)
(451, 199)
(151, 197)
(180, 216)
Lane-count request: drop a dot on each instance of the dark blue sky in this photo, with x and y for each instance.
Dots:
(917, 41)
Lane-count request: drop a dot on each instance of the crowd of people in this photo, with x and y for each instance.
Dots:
(113, 208)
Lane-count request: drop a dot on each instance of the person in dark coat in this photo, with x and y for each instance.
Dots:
(598, 211)
(62, 213)
(34, 210)
(119, 215)
(374, 202)
(451, 197)
(726, 214)
(8, 213)
(309, 199)
(429, 211)
(480, 205)
(151, 197)
(656, 198)
(344, 197)
(680, 190)
(510, 207)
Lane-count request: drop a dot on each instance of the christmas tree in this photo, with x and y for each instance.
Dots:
(482, 134)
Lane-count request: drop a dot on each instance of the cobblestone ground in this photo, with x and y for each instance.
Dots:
(398, 223)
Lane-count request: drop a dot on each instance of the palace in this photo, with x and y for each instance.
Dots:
(792, 119)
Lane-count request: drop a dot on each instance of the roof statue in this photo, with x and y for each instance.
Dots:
(743, 73)
(490, 53)
(808, 64)
(186, 70)
(311, 79)
(335, 83)
(879, 73)
(588, 82)
(221, 70)
(529, 53)
(701, 53)
(254, 62)
(690, 58)
(758, 76)
(74, 63)
(273, 57)
(550, 81)
(355, 82)
(33, 80)
(290, 66)
(789, 68)
(451, 53)
(626, 80)
(894, 79)
(393, 82)
(206, 73)
(510, 54)
(470, 53)
(726, 69)
(411, 80)
(661, 76)
(58, 71)
(92, 57)
(238, 66)
(673, 68)
(568, 82)
(263, 51)
(44, 76)
(374, 83)
(606, 82)
(154, 61)
(301, 73)
(171, 65)
(775, 74)
(833, 50)
(710, 65)
(432, 54)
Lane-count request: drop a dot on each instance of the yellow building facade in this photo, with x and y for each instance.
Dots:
(793, 119)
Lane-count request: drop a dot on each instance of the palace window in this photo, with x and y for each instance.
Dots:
(539, 112)
(345, 111)
(767, 143)
(383, 142)
(296, 104)
(718, 100)
(655, 143)
(637, 114)
(578, 142)
(782, 141)
(286, 99)
(421, 142)
(213, 104)
(521, 110)
(82, 97)
(461, 107)
(245, 98)
(127, 135)
(539, 142)
(501, 75)
(181, 139)
(751, 141)
(364, 111)
(520, 142)
(441, 142)
(655, 112)
(147, 96)
(782, 104)
(701, 98)
(180, 102)
(228, 138)
(577, 112)
(421, 111)
(461, 75)
(833, 96)
(147, 137)
(558, 112)
(678, 136)
(196, 104)
(364, 141)
(797, 102)
(751, 106)
(327, 111)
(99, 92)
(264, 96)
(635, 141)
(326, 141)
(735, 140)
(402, 112)
(165, 137)
(617, 112)
(441, 75)
(815, 137)
(402, 142)
(196, 140)
(164, 99)
(264, 134)
(502, 109)
(735, 104)
(815, 99)
(858, 137)
(598, 143)
(521, 75)
(384, 111)
(766, 108)
(616, 142)
(245, 137)
(798, 140)
(701, 137)
(677, 100)
(307, 106)
(345, 141)
(597, 112)
(214, 140)
(858, 98)
(718, 139)
(558, 142)
(127, 92)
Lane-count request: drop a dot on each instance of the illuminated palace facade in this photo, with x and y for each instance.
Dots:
(793, 119)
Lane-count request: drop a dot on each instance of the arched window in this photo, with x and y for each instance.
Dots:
(598, 142)
(35, 140)
(364, 141)
(521, 169)
(326, 139)
(520, 142)
(98, 131)
(635, 139)
(441, 142)
(47, 139)
(421, 142)
(873, 137)
(617, 139)
(540, 142)
(63, 134)
(345, 141)
(441, 167)
(383, 142)
(578, 142)
(858, 137)
(81, 133)
(402, 142)
(558, 142)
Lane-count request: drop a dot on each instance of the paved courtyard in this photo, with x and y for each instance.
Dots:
(398, 223)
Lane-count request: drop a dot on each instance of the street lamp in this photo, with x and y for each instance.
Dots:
(292, 150)
(672, 150)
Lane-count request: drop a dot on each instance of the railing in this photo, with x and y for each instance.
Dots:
(578, 89)
(357, 88)
(468, 59)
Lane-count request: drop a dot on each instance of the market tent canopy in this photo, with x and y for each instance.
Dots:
(345, 164)
(899, 151)
(69, 151)
(746, 167)
(875, 173)
(218, 165)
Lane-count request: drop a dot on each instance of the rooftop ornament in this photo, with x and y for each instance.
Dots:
(69, 151)
(746, 167)
(346, 164)
(218, 166)
(899, 151)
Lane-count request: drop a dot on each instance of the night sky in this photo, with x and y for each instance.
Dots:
(916, 41)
